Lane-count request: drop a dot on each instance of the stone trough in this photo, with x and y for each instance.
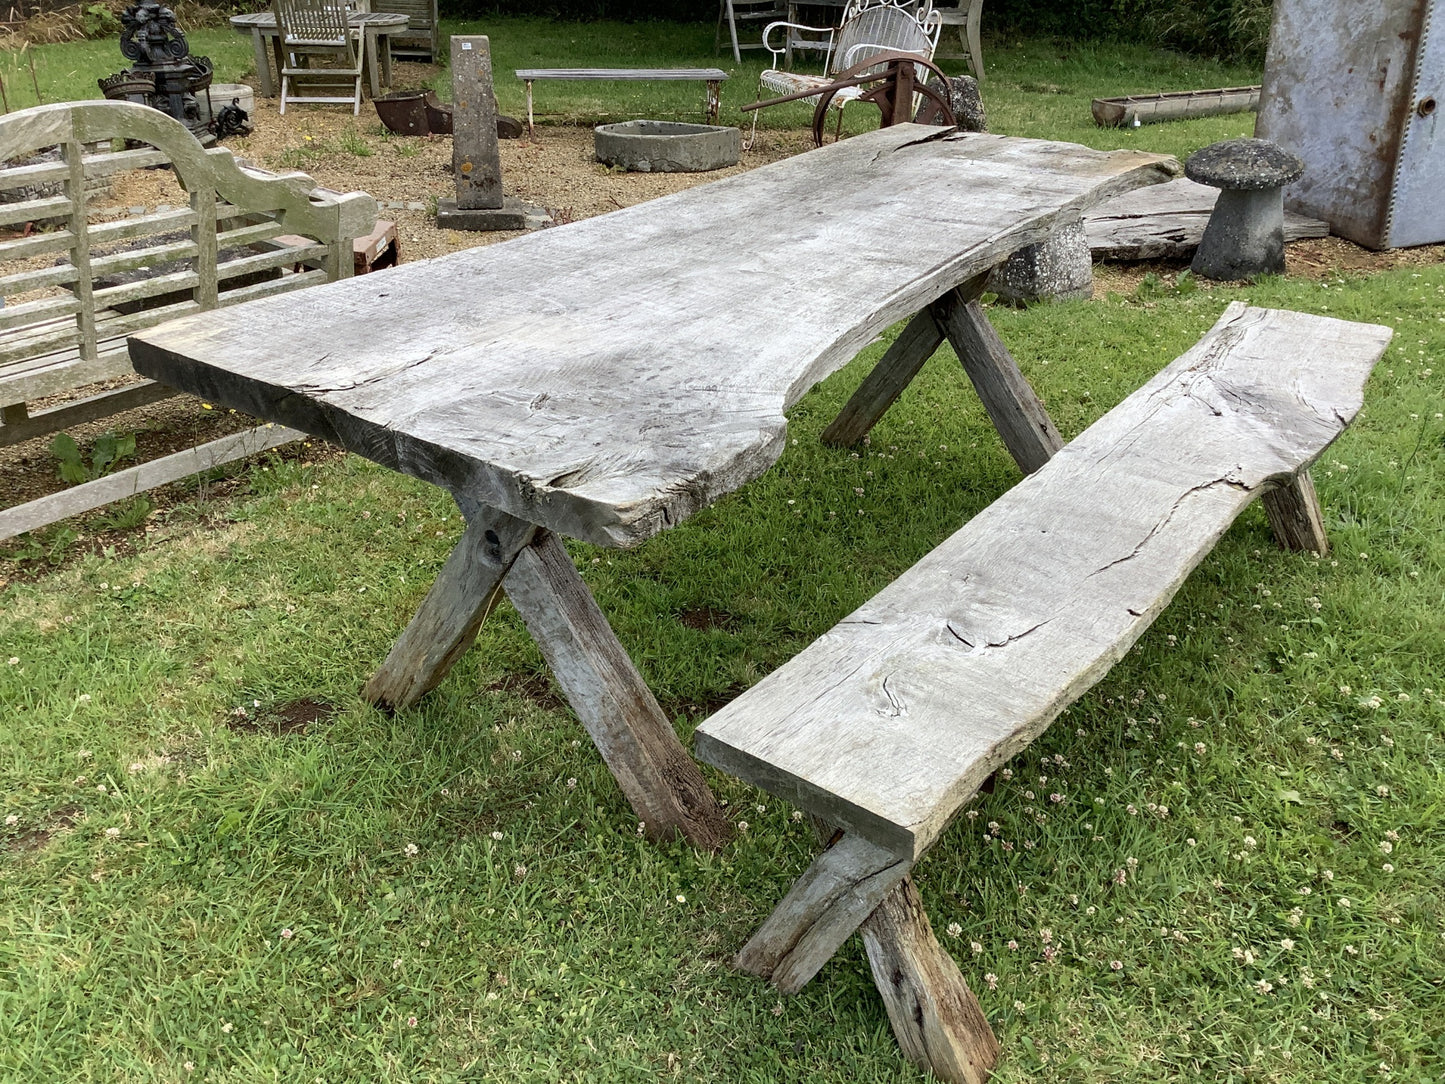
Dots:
(657, 146)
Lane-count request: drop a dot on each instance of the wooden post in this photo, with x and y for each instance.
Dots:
(476, 160)
(937, 1021)
(1295, 515)
(635, 738)
(455, 607)
(1020, 418)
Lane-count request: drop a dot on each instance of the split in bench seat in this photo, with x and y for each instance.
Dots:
(887, 725)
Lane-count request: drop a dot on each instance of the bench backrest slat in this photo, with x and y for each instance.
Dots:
(84, 250)
(889, 723)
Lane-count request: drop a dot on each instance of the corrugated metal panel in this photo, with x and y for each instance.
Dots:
(1417, 214)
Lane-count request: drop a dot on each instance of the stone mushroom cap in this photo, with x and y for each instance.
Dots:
(1243, 165)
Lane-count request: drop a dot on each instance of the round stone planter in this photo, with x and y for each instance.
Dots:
(221, 95)
(658, 146)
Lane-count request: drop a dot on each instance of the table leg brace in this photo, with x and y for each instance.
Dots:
(635, 738)
(446, 624)
(1015, 408)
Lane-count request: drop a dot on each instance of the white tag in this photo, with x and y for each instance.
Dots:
(466, 46)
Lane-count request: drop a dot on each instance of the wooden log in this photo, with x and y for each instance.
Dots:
(825, 905)
(894, 372)
(1295, 515)
(663, 784)
(465, 591)
(936, 1019)
(1020, 418)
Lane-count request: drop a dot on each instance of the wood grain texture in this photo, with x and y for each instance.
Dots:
(1295, 515)
(1014, 407)
(822, 909)
(608, 379)
(464, 592)
(937, 1021)
(887, 724)
(663, 784)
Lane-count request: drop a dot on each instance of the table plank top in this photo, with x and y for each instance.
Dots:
(377, 20)
(608, 378)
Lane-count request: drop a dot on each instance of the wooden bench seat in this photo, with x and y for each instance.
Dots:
(888, 724)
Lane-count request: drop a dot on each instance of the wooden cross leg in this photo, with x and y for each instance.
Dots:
(856, 885)
(1015, 408)
(500, 552)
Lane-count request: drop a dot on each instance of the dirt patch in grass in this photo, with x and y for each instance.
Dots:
(33, 839)
(293, 717)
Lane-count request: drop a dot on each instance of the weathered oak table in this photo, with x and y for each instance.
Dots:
(607, 379)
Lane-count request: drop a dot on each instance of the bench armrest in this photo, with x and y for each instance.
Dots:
(780, 51)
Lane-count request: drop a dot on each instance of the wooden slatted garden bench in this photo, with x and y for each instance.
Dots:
(713, 77)
(886, 726)
(73, 292)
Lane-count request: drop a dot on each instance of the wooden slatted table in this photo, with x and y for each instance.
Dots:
(607, 379)
(713, 77)
(376, 29)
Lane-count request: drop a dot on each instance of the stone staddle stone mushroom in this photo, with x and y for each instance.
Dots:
(1245, 235)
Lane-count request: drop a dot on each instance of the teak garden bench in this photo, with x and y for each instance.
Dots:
(713, 77)
(73, 292)
(887, 725)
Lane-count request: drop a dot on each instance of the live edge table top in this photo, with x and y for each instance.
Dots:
(608, 378)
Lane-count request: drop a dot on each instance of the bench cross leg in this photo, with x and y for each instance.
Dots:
(1014, 407)
(661, 781)
(856, 885)
(1295, 515)
(938, 1023)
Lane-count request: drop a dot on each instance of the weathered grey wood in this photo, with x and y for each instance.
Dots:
(889, 723)
(895, 370)
(1166, 221)
(663, 784)
(81, 411)
(1015, 408)
(882, 387)
(476, 160)
(822, 909)
(936, 1019)
(57, 345)
(128, 483)
(637, 365)
(465, 591)
(1295, 515)
(700, 74)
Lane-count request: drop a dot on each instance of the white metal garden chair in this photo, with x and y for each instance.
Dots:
(869, 27)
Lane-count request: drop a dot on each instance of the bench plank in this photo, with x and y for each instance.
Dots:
(889, 723)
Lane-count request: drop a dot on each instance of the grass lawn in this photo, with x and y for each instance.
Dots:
(1243, 881)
